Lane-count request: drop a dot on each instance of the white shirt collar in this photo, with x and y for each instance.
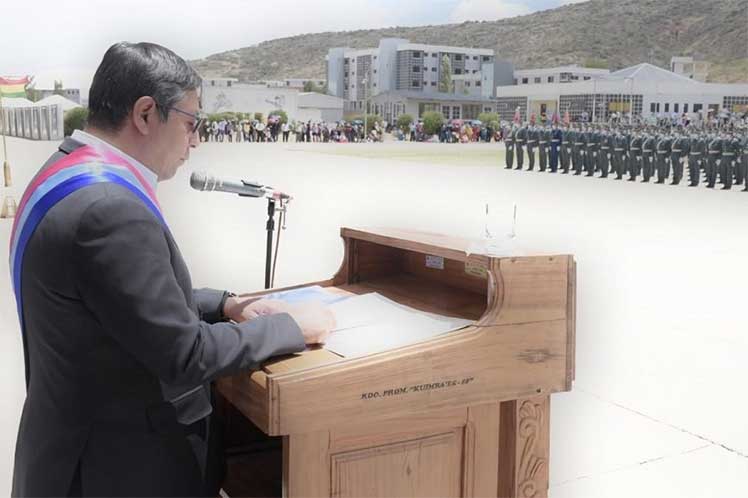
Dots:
(88, 139)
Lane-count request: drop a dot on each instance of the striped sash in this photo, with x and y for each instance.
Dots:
(85, 166)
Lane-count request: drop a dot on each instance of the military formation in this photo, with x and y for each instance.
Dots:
(657, 154)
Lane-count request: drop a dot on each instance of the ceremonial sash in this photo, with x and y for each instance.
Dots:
(85, 166)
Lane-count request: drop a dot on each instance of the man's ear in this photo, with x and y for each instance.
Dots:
(144, 114)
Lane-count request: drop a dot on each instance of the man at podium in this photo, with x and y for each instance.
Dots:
(119, 350)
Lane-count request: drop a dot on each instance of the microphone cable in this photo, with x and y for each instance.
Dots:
(281, 226)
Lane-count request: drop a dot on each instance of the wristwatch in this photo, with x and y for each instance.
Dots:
(226, 295)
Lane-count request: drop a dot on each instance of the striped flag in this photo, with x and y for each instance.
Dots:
(13, 87)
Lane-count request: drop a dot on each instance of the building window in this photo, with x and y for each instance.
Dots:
(658, 107)
(416, 69)
(675, 107)
(487, 109)
(445, 111)
(477, 83)
(586, 78)
(685, 107)
(416, 54)
(416, 83)
(375, 71)
(212, 82)
(467, 84)
(515, 81)
(458, 57)
(456, 112)
(667, 107)
(524, 81)
(537, 79)
(475, 57)
(652, 107)
(228, 83)
(486, 58)
(697, 107)
(433, 69)
(345, 75)
(433, 83)
(458, 71)
(550, 79)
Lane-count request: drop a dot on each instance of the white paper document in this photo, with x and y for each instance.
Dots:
(371, 323)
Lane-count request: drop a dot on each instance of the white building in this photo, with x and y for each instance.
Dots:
(396, 65)
(561, 74)
(651, 90)
(228, 95)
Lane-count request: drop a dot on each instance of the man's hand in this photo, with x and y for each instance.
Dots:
(241, 309)
(315, 320)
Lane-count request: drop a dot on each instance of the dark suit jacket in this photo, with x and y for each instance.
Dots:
(120, 352)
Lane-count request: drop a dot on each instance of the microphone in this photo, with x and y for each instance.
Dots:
(203, 181)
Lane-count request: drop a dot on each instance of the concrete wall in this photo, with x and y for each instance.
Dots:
(35, 123)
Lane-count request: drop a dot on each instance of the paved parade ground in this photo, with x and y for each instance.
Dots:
(658, 407)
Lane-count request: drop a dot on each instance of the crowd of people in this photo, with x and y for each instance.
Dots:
(275, 129)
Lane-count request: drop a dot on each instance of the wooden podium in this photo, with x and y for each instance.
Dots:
(464, 414)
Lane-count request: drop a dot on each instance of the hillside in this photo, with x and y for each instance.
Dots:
(618, 33)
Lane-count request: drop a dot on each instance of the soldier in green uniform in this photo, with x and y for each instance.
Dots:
(509, 133)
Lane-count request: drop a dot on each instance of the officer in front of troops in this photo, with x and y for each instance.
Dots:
(648, 152)
(557, 137)
(544, 137)
(664, 146)
(696, 153)
(678, 153)
(635, 155)
(730, 152)
(509, 134)
(714, 152)
(520, 139)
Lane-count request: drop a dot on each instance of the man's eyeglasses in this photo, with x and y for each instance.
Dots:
(199, 118)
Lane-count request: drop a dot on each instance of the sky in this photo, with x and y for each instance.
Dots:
(55, 40)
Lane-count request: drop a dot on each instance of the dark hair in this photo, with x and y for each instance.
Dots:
(129, 71)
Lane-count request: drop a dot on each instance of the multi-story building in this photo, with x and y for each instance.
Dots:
(399, 75)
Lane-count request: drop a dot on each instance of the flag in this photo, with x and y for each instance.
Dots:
(13, 87)
(532, 119)
(517, 116)
(567, 118)
(554, 118)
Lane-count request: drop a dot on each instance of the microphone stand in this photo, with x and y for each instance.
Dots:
(270, 227)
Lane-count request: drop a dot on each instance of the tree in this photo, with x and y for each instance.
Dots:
(404, 121)
(491, 119)
(258, 116)
(281, 113)
(432, 122)
(309, 86)
(445, 77)
(74, 119)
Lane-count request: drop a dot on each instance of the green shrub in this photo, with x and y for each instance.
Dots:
(404, 121)
(432, 122)
(281, 113)
(75, 119)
